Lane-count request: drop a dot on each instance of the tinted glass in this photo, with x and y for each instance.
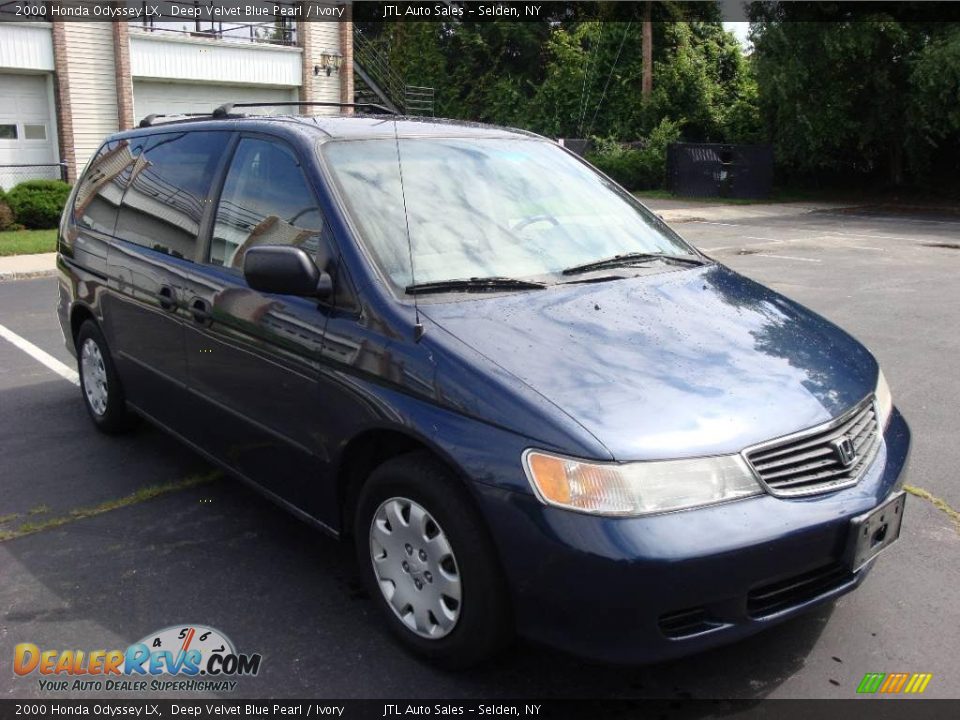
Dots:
(265, 201)
(35, 132)
(168, 191)
(101, 188)
(487, 207)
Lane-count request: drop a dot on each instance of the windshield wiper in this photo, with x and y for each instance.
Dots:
(473, 285)
(632, 259)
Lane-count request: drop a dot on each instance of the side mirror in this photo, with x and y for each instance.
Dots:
(285, 270)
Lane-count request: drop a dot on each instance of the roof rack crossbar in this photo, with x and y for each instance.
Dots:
(226, 108)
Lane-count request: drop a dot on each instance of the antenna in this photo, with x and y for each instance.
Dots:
(418, 326)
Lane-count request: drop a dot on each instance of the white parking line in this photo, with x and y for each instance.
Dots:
(785, 257)
(872, 236)
(64, 371)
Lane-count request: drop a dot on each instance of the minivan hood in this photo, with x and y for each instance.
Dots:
(676, 364)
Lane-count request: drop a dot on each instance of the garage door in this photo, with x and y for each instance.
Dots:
(160, 98)
(26, 130)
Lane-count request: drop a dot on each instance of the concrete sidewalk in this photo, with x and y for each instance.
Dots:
(19, 267)
(680, 211)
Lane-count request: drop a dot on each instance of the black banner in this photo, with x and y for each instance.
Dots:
(865, 709)
(159, 12)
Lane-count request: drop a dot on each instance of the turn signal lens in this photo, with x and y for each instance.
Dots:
(638, 488)
(884, 401)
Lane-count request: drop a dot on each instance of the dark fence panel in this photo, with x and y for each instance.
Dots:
(718, 170)
(577, 145)
(12, 175)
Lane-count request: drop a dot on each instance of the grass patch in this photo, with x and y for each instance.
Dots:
(139, 496)
(39, 510)
(27, 242)
(4, 519)
(939, 504)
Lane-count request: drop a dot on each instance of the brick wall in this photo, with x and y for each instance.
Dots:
(64, 110)
(121, 52)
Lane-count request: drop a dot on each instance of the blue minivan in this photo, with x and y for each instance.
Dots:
(531, 406)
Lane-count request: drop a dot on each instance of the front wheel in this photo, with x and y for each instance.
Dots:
(99, 382)
(427, 561)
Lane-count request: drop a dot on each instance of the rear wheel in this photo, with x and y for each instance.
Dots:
(99, 382)
(427, 561)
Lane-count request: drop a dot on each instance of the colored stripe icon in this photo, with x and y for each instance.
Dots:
(892, 683)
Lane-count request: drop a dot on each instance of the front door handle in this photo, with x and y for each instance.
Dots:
(167, 298)
(200, 309)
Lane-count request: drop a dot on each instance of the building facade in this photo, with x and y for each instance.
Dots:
(65, 85)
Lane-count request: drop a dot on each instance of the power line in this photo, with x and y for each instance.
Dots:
(584, 95)
(609, 76)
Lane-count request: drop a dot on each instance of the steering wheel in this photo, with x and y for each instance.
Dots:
(525, 222)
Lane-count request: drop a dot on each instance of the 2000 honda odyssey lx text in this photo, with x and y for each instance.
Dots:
(532, 406)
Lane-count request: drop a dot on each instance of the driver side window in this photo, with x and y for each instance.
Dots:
(265, 201)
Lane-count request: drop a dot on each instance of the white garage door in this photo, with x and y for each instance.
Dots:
(26, 130)
(160, 98)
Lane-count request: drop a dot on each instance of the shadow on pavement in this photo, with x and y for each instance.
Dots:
(221, 555)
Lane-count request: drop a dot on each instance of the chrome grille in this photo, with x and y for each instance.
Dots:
(810, 461)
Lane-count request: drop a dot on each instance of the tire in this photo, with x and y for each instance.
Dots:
(455, 632)
(100, 384)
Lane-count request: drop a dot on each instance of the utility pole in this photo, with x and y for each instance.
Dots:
(646, 82)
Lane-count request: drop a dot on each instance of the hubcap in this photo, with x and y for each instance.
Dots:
(415, 567)
(94, 376)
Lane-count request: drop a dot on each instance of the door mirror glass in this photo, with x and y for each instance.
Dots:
(285, 270)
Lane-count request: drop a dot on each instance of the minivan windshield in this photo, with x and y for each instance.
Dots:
(488, 208)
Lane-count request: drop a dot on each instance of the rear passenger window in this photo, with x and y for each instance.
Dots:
(101, 188)
(265, 201)
(168, 191)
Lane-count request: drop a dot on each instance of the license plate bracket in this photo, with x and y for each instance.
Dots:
(874, 531)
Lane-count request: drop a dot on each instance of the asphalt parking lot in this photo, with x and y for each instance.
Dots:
(86, 563)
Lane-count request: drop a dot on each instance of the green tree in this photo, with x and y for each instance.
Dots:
(871, 97)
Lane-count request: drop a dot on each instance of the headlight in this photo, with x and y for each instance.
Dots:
(884, 401)
(638, 488)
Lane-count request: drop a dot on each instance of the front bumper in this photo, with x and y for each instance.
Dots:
(648, 589)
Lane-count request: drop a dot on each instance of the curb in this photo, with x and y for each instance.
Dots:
(5, 276)
(682, 218)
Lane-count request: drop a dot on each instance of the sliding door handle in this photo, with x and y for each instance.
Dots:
(200, 309)
(167, 298)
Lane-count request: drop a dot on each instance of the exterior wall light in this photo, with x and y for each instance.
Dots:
(330, 61)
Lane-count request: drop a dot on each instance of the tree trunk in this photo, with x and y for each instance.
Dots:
(646, 83)
(896, 164)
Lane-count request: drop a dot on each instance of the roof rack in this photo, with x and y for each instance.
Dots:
(150, 119)
(225, 109)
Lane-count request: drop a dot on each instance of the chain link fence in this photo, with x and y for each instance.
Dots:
(13, 175)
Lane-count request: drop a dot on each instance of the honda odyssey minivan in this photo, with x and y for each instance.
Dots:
(529, 403)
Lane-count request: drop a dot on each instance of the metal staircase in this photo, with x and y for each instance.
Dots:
(376, 82)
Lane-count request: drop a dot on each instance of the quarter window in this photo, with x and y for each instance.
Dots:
(101, 188)
(265, 201)
(168, 192)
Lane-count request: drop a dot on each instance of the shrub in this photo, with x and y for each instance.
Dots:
(638, 168)
(38, 203)
(6, 216)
